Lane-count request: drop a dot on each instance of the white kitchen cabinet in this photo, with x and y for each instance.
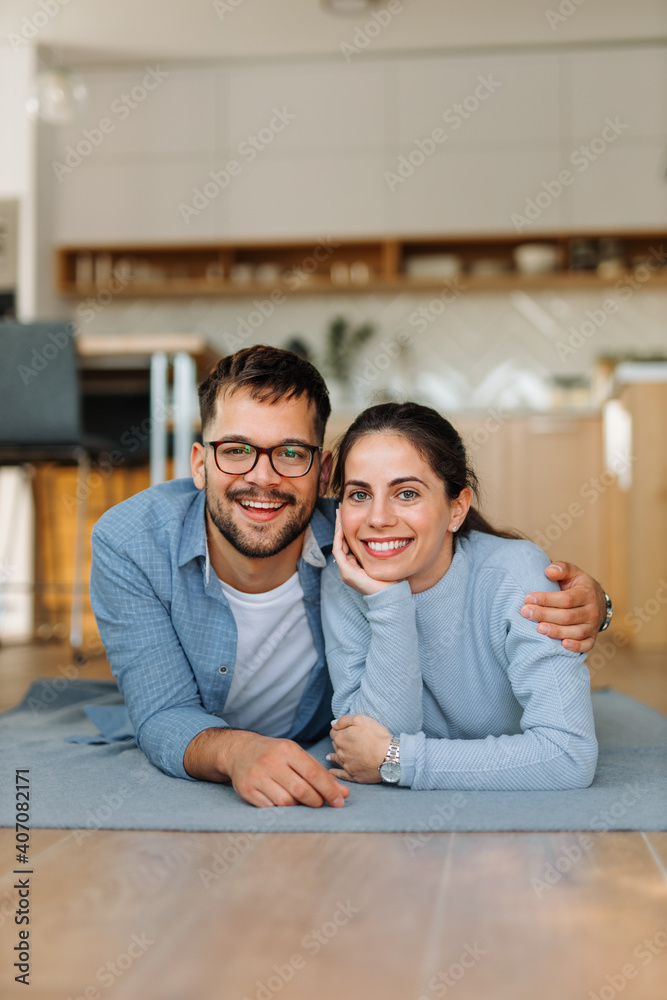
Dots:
(521, 106)
(477, 191)
(625, 83)
(336, 108)
(624, 188)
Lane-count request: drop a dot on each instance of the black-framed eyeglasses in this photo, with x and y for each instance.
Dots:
(236, 458)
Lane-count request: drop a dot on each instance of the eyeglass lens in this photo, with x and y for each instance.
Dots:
(237, 457)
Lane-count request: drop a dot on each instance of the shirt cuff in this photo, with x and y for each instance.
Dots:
(408, 757)
(165, 737)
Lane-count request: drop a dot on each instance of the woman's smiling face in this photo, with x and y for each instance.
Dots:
(395, 513)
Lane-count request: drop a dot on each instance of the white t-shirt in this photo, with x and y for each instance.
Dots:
(274, 659)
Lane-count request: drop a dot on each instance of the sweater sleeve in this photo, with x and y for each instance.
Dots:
(556, 749)
(372, 653)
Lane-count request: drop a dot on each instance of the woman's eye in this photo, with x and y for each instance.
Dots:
(408, 494)
(357, 495)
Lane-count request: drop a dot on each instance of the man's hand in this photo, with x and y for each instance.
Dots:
(574, 614)
(264, 771)
(360, 745)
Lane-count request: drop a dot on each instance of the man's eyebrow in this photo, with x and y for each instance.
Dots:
(242, 439)
(394, 482)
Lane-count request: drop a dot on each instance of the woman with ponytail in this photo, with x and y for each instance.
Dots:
(438, 681)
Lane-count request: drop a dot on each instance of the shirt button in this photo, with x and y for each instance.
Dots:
(223, 669)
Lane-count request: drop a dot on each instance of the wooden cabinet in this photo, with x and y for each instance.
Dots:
(542, 475)
(638, 535)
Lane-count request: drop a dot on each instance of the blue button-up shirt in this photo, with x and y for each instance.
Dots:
(167, 628)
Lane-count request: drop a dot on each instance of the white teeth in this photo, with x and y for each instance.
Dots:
(262, 506)
(385, 546)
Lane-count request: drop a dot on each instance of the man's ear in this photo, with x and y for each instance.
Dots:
(325, 472)
(197, 464)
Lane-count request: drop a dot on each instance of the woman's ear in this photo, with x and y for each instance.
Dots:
(460, 508)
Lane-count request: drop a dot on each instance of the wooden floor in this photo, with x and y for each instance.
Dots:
(152, 915)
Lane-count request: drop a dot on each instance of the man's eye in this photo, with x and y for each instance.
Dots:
(239, 449)
(408, 494)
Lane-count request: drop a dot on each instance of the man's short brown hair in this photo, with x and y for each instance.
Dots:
(269, 374)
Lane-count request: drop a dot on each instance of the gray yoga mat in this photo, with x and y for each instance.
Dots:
(111, 785)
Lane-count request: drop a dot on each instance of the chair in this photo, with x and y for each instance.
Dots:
(40, 421)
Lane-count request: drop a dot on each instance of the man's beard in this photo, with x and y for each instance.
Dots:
(258, 542)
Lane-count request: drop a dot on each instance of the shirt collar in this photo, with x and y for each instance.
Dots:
(193, 538)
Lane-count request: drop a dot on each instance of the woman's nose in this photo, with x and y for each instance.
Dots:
(380, 514)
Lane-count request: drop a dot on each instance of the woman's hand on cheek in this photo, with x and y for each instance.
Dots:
(360, 745)
(351, 572)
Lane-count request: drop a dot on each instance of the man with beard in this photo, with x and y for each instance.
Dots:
(206, 591)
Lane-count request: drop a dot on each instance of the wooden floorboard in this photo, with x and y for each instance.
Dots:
(350, 916)
(358, 915)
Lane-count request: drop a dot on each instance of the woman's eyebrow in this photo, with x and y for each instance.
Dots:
(394, 482)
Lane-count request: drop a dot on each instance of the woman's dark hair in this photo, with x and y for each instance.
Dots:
(268, 374)
(437, 442)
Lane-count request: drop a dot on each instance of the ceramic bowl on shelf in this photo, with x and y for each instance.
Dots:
(489, 267)
(267, 273)
(241, 273)
(536, 258)
(432, 266)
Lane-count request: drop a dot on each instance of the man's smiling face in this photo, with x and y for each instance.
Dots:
(231, 501)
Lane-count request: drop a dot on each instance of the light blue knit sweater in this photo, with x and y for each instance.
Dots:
(481, 700)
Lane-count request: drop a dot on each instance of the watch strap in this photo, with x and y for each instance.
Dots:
(610, 611)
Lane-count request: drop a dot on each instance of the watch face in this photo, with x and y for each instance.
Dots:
(390, 772)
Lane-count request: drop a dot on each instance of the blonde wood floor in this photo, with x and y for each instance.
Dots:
(156, 915)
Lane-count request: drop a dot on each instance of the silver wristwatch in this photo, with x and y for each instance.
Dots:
(610, 610)
(390, 768)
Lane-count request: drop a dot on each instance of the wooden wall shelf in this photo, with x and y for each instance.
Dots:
(409, 263)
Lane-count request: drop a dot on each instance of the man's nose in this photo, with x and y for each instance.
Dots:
(263, 474)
